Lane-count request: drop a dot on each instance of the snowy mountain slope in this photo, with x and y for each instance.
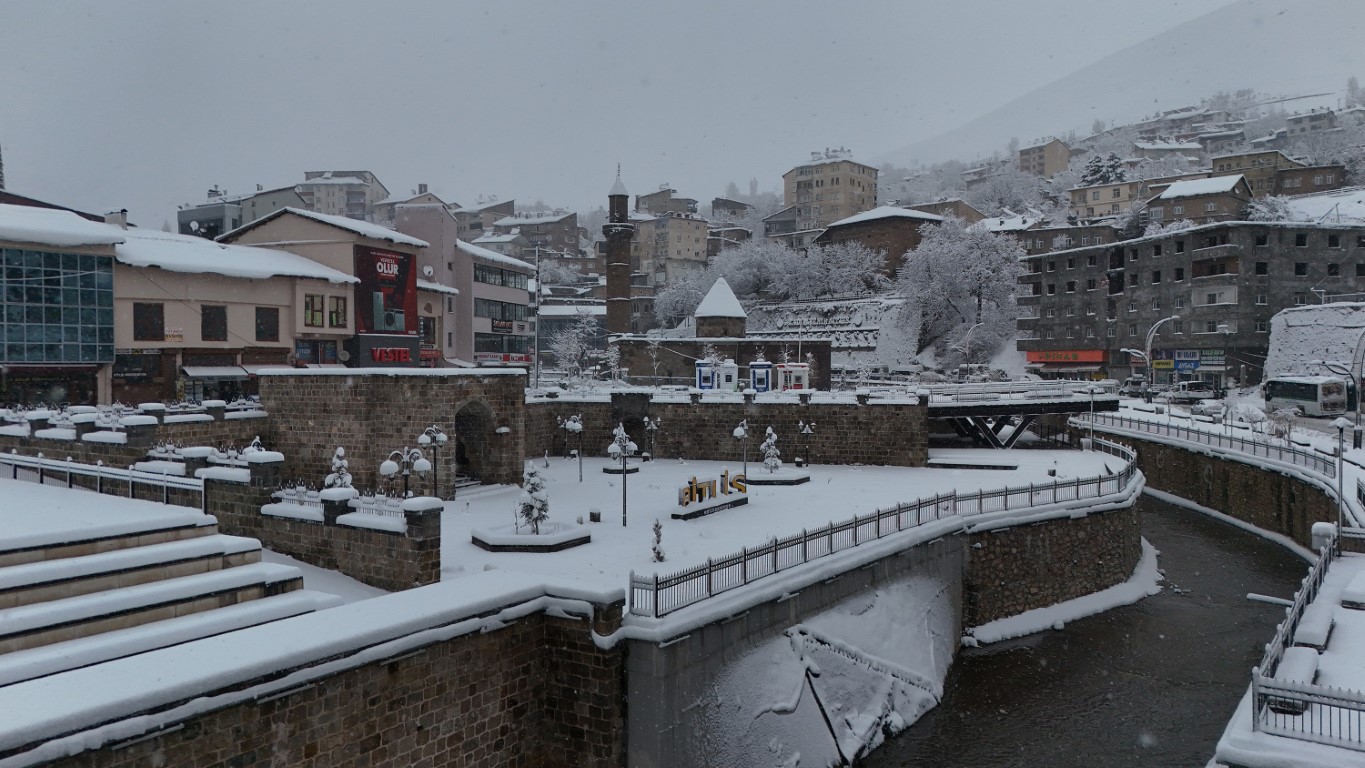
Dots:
(1292, 47)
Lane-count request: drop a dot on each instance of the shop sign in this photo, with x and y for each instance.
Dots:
(391, 355)
(1163, 365)
(1186, 365)
(384, 350)
(502, 326)
(495, 358)
(174, 335)
(1213, 357)
(136, 366)
(1065, 356)
(1186, 354)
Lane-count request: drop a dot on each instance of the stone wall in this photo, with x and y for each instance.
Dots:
(372, 412)
(846, 432)
(1012, 570)
(141, 439)
(536, 693)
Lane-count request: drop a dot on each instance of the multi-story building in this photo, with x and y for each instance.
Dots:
(476, 220)
(719, 237)
(1258, 167)
(1180, 151)
(1043, 238)
(385, 211)
(952, 207)
(665, 200)
(1312, 121)
(1047, 158)
(1102, 200)
(1081, 309)
(508, 244)
(1218, 198)
(1309, 178)
(724, 207)
(892, 231)
(667, 246)
(222, 212)
(502, 326)
(830, 187)
(352, 194)
(553, 231)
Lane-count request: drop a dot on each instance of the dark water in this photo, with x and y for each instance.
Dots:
(1151, 684)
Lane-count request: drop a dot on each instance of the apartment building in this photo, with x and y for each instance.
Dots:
(553, 231)
(892, 231)
(1044, 238)
(1095, 200)
(1045, 159)
(1080, 308)
(667, 246)
(502, 328)
(1218, 198)
(1258, 167)
(1309, 178)
(477, 220)
(727, 208)
(1181, 151)
(222, 212)
(1311, 122)
(385, 211)
(830, 187)
(352, 194)
(665, 200)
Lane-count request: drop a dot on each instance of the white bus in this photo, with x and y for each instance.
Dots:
(1312, 395)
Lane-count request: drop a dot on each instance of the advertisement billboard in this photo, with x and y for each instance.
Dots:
(386, 297)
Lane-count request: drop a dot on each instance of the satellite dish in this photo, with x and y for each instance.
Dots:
(427, 271)
(343, 356)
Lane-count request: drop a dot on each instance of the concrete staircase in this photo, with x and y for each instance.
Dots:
(89, 598)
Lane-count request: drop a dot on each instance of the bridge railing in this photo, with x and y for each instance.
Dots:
(658, 595)
(1018, 390)
(46, 471)
(1302, 710)
(1324, 465)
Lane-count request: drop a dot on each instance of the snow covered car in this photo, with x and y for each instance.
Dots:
(1133, 386)
(1190, 392)
(1212, 408)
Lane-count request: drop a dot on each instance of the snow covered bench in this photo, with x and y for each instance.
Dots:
(1353, 596)
(1315, 626)
(1299, 665)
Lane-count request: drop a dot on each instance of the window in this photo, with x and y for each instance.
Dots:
(1048, 334)
(1050, 312)
(1334, 241)
(213, 323)
(1090, 260)
(1090, 284)
(267, 324)
(1090, 333)
(1132, 254)
(1301, 240)
(149, 322)
(1179, 302)
(1085, 239)
(1051, 289)
(1262, 326)
(1052, 266)
(1300, 299)
(1179, 246)
(1132, 306)
(1300, 269)
(1262, 267)
(1177, 210)
(1260, 298)
(1334, 270)
(336, 311)
(1071, 333)
(1117, 193)
(312, 310)
(1156, 276)
(1094, 194)
(1211, 326)
(1071, 263)
(1071, 286)
(1212, 298)
(1110, 331)
(1132, 329)
(1177, 326)
(1156, 249)
(1360, 270)
(1317, 179)
(1090, 311)
(1360, 241)
(1156, 305)
(1070, 311)
(1155, 212)
(1263, 239)
(1329, 178)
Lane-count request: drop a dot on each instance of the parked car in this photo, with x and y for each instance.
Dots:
(1191, 392)
(1133, 386)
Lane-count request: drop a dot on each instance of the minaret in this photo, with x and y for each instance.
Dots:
(619, 232)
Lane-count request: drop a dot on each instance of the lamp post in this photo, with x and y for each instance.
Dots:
(1342, 424)
(1093, 391)
(1151, 334)
(407, 460)
(741, 434)
(806, 430)
(966, 347)
(651, 427)
(622, 446)
(433, 436)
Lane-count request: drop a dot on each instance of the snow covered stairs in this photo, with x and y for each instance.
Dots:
(73, 590)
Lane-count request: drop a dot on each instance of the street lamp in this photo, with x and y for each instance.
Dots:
(1093, 390)
(433, 436)
(574, 425)
(1342, 424)
(806, 430)
(622, 446)
(408, 460)
(966, 346)
(741, 434)
(651, 427)
(1147, 354)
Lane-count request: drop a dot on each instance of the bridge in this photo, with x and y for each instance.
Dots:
(997, 414)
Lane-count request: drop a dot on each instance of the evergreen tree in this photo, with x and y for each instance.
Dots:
(772, 457)
(534, 505)
(1114, 170)
(1094, 171)
(657, 549)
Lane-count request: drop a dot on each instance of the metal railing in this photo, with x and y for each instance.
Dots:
(106, 479)
(1018, 390)
(1324, 465)
(1305, 710)
(659, 595)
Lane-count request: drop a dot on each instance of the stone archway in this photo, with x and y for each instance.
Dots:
(473, 439)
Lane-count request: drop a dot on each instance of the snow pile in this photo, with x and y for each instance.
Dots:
(186, 253)
(1300, 336)
(1195, 187)
(1341, 206)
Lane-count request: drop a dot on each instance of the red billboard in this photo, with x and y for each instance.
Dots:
(386, 297)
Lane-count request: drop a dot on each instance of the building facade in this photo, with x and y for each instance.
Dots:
(222, 213)
(1079, 309)
(1045, 159)
(832, 186)
(352, 194)
(554, 231)
(890, 230)
(1259, 168)
(1219, 198)
(667, 246)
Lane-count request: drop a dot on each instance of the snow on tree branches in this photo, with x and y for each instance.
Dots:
(340, 476)
(657, 549)
(772, 457)
(572, 345)
(533, 507)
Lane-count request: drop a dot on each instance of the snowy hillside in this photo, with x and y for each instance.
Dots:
(1248, 44)
(1301, 335)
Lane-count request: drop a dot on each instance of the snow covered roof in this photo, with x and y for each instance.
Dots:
(427, 285)
(496, 238)
(1168, 146)
(1194, 187)
(618, 188)
(571, 310)
(186, 253)
(546, 218)
(886, 212)
(1012, 223)
(362, 228)
(1339, 205)
(333, 180)
(50, 226)
(477, 207)
(493, 256)
(720, 301)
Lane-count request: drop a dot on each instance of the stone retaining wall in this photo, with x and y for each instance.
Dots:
(141, 439)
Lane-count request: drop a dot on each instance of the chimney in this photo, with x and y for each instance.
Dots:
(421, 189)
(118, 218)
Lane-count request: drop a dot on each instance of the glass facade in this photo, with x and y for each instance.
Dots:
(57, 308)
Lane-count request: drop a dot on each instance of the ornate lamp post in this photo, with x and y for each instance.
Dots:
(573, 426)
(741, 434)
(806, 430)
(622, 446)
(408, 460)
(651, 427)
(1342, 424)
(434, 437)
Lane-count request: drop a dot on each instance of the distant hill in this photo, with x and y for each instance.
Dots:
(1285, 47)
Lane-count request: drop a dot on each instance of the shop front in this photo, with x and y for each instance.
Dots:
(1066, 363)
(49, 385)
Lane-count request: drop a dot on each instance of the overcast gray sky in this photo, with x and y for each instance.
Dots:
(145, 105)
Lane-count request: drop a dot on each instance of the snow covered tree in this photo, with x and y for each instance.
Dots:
(959, 276)
(340, 476)
(772, 457)
(572, 345)
(1094, 169)
(533, 507)
(1104, 170)
(1271, 208)
(1010, 188)
(613, 361)
(657, 549)
(554, 273)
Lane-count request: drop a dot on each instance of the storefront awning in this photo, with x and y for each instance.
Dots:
(324, 365)
(255, 368)
(1062, 368)
(214, 372)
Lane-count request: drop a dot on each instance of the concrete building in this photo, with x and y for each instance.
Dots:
(1099, 200)
(1180, 151)
(508, 244)
(892, 231)
(352, 194)
(663, 201)
(1045, 239)
(1079, 308)
(1312, 121)
(952, 207)
(830, 187)
(1309, 179)
(502, 326)
(1219, 198)
(550, 231)
(667, 246)
(719, 237)
(1258, 167)
(222, 212)
(385, 210)
(477, 220)
(724, 207)
(1046, 158)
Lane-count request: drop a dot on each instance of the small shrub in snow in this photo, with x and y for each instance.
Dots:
(534, 505)
(772, 457)
(658, 548)
(340, 476)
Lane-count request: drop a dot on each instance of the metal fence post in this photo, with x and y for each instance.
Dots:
(744, 564)
(656, 595)
(709, 571)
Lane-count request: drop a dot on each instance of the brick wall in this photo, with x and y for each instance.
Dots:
(845, 433)
(372, 415)
(535, 693)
